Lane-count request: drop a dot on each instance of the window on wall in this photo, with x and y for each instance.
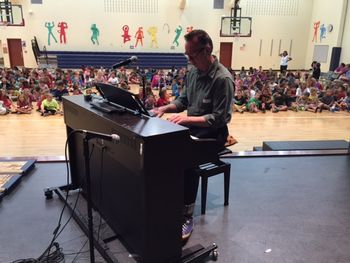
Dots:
(11, 14)
(218, 4)
(131, 6)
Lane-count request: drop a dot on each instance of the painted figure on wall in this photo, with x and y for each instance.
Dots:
(189, 29)
(49, 27)
(62, 31)
(153, 32)
(323, 31)
(126, 36)
(316, 27)
(166, 25)
(95, 34)
(178, 31)
(139, 36)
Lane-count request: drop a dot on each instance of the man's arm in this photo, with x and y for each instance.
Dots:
(222, 100)
(165, 109)
(198, 121)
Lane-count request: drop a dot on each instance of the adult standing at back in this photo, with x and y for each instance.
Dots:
(284, 61)
(316, 72)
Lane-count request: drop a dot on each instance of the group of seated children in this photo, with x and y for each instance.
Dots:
(291, 94)
(256, 90)
(21, 89)
(46, 104)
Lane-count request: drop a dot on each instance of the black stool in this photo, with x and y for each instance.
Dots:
(210, 169)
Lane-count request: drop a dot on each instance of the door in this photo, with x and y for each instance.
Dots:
(226, 54)
(15, 52)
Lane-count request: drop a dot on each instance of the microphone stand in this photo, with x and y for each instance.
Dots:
(86, 139)
(144, 89)
(87, 136)
(143, 83)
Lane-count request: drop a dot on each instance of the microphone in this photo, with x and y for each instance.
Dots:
(125, 62)
(108, 137)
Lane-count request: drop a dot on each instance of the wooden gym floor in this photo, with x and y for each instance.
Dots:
(34, 135)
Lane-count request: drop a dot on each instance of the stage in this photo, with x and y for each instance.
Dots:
(296, 206)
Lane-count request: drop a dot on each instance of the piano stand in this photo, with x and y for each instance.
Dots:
(131, 200)
(100, 244)
(196, 253)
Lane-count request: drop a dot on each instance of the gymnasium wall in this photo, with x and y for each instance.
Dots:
(328, 12)
(22, 32)
(277, 26)
(345, 54)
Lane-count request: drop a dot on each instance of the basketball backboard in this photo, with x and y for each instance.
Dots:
(236, 26)
(10, 15)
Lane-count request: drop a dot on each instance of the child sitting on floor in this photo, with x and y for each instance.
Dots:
(163, 98)
(59, 91)
(76, 90)
(239, 102)
(301, 103)
(23, 105)
(279, 101)
(343, 104)
(150, 102)
(6, 101)
(3, 110)
(313, 100)
(254, 103)
(266, 99)
(41, 99)
(326, 102)
(49, 106)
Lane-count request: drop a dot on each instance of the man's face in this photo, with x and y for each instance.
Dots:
(195, 53)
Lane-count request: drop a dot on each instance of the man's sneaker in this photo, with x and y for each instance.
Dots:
(187, 228)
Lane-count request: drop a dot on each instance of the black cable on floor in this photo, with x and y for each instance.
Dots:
(57, 256)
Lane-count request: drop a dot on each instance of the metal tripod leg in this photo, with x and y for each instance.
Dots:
(198, 253)
(100, 246)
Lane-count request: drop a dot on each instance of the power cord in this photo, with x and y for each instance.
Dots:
(57, 255)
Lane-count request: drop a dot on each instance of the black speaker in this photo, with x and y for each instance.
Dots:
(335, 59)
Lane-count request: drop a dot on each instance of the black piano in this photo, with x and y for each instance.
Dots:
(136, 184)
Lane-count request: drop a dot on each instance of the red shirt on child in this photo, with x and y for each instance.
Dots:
(162, 102)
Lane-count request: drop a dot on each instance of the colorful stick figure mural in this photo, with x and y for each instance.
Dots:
(178, 31)
(49, 27)
(189, 29)
(62, 31)
(95, 34)
(153, 32)
(323, 31)
(126, 36)
(166, 25)
(139, 36)
(316, 26)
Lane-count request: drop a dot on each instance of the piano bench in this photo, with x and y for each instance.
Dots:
(210, 169)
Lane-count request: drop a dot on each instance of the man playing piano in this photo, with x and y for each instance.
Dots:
(207, 98)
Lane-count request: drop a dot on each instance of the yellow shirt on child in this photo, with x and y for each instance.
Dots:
(50, 105)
